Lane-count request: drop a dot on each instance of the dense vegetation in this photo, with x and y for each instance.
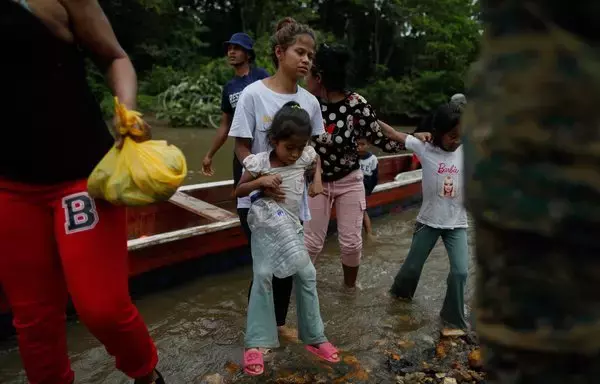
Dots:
(408, 55)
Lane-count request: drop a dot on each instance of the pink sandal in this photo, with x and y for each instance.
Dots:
(325, 351)
(253, 357)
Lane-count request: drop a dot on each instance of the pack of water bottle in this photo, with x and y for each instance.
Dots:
(278, 233)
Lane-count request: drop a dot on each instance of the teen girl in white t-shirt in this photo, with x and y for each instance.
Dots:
(293, 50)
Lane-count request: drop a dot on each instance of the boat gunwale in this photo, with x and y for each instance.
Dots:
(225, 183)
(180, 234)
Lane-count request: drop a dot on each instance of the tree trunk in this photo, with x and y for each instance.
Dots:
(242, 15)
(376, 42)
(389, 55)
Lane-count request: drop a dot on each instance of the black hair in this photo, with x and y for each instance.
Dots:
(330, 64)
(445, 118)
(426, 123)
(251, 55)
(363, 134)
(286, 34)
(290, 120)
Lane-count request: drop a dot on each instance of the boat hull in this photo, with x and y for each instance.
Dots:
(169, 244)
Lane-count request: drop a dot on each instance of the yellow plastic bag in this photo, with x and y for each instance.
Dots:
(138, 173)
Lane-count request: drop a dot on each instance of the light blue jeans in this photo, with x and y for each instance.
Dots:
(261, 327)
(407, 279)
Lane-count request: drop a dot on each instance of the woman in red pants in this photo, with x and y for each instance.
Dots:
(54, 239)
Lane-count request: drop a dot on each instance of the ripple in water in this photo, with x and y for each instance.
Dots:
(199, 327)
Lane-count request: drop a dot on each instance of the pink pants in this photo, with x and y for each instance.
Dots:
(348, 195)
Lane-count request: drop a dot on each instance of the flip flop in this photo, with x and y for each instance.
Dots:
(253, 357)
(325, 351)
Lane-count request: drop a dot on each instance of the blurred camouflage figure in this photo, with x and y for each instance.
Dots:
(532, 149)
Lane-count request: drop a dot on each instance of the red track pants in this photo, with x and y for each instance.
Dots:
(54, 241)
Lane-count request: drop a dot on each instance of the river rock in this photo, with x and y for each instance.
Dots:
(448, 332)
(443, 348)
(414, 378)
(472, 339)
(449, 380)
(406, 344)
(428, 340)
(474, 358)
(478, 377)
(461, 376)
(398, 364)
(213, 379)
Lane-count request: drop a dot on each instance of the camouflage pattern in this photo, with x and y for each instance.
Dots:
(532, 155)
(508, 365)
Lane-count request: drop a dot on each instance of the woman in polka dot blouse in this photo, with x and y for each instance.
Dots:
(347, 116)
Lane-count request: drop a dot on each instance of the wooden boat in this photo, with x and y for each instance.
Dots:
(200, 220)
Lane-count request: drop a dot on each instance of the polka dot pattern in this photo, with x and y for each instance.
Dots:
(349, 119)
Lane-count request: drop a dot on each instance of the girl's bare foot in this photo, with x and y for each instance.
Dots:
(350, 275)
(347, 289)
(287, 333)
(265, 351)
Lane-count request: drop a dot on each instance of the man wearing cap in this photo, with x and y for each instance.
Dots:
(240, 54)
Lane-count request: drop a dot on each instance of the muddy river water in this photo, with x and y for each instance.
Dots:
(199, 326)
